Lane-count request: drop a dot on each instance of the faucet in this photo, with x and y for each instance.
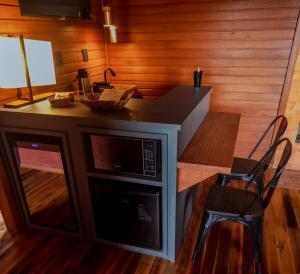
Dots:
(105, 76)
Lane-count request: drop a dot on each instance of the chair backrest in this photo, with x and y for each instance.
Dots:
(273, 181)
(280, 131)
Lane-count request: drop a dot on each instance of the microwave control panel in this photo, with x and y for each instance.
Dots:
(149, 150)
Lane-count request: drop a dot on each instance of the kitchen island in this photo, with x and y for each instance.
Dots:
(56, 146)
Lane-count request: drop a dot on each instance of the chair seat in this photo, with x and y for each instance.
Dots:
(228, 201)
(243, 165)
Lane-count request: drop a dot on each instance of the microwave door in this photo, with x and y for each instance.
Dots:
(118, 154)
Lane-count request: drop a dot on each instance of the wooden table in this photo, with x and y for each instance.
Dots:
(210, 151)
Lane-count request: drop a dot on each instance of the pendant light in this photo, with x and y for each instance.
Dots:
(113, 29)
(107, 16)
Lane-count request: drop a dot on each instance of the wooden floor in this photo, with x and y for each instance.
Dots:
(228, 248)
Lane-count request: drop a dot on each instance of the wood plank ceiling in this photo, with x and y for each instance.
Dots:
(242, 46)
(68, 37)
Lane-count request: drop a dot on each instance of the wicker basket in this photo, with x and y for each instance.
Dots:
(97, 104)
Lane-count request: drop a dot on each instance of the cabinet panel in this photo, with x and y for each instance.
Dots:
(127, 213)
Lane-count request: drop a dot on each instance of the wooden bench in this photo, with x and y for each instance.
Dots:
(210, 150)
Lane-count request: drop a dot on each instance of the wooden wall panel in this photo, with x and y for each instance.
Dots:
(292, 112)
(242, 46)
(68, 37)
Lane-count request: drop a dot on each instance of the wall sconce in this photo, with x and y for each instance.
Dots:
(113, 29)
(26, 63)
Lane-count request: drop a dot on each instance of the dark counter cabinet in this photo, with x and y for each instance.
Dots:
(107, 177)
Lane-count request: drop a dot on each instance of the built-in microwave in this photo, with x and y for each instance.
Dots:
(120, 155)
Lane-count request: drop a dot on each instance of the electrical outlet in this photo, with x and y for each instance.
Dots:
(85, 55)
(59, 59)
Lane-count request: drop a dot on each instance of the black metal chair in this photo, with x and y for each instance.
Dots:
(225, 203)
(245, 165)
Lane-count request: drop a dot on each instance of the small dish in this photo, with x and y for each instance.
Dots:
(61, 102)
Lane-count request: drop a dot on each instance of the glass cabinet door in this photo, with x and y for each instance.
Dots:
(43, 180)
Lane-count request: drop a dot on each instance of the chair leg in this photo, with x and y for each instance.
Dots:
(207, 221)
(259, 185)
(225, 180)
(257, 244)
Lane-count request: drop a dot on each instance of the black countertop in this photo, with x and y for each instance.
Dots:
(170, 110)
